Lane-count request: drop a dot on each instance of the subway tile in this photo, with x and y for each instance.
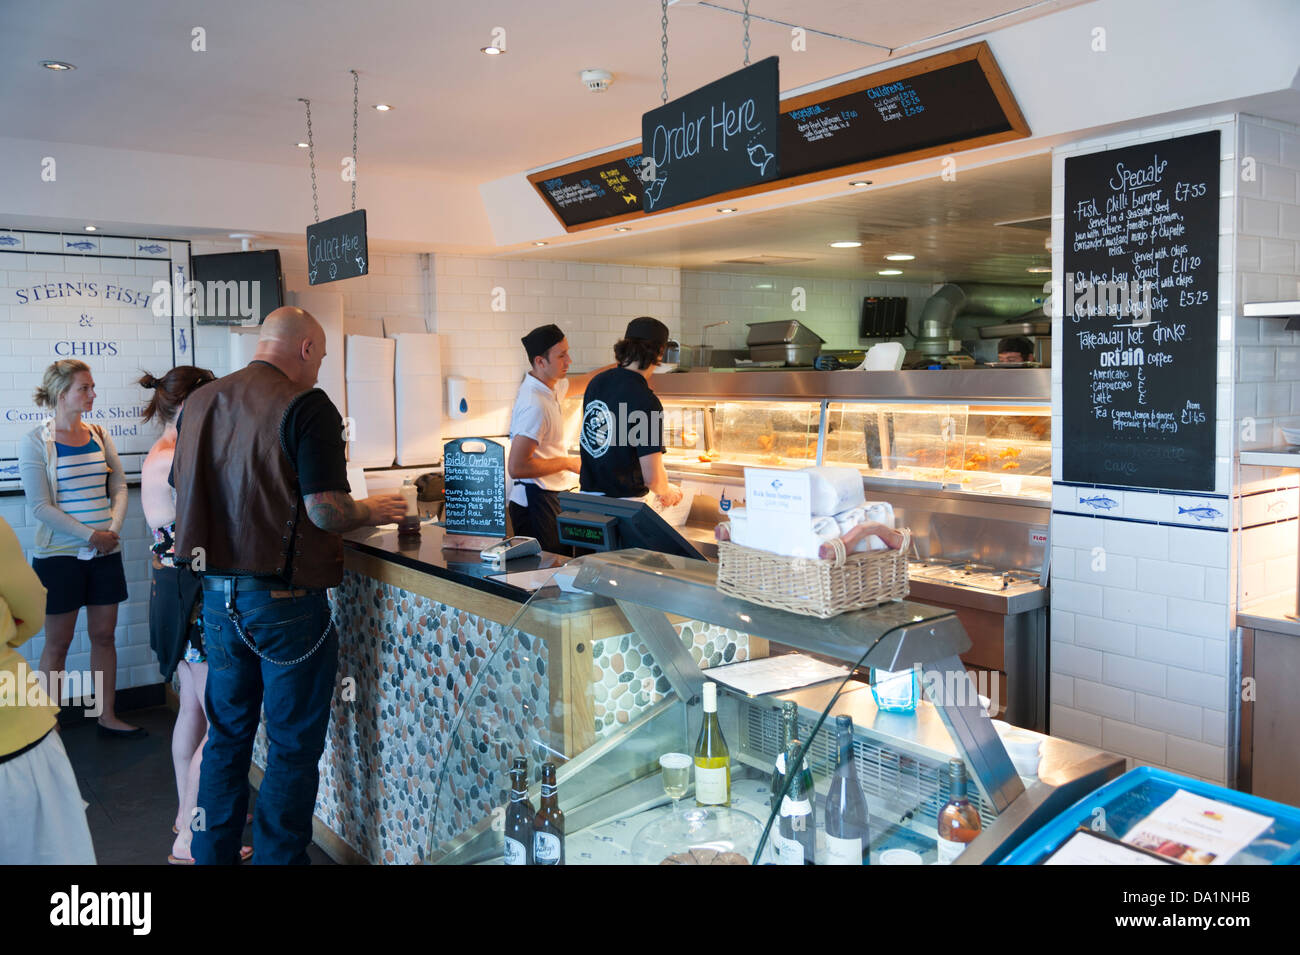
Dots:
(1064, 563)
(1174, 580)
(1062, 622)
(1123, 737)
(1277, 183)
(1191, 756)
(1081, 532)
(1075, 596)
(1204, 547)
(1144, 506)
(1062, 690)
(1073, 724)
(1107, 701)
(1214, 728)
(1289, 227)
(1134, 607)
(1170, 647)
(1259, 217)
(1076, 661)
(1137, 540)
(1128, 671)
(1198, 618)
(1105, 635)
(1169, 716)
(1200, 512)
(1203, 689)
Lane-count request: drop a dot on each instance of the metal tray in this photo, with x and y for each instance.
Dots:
(781, 333)
(1028, 329)
(787, 354)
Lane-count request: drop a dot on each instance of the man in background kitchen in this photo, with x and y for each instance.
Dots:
(1017, 349)
(539, 463)
(622, 420)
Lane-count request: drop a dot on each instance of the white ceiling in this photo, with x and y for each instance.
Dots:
(951, 228)
(459, 114)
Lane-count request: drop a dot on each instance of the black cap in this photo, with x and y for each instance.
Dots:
(541, 340)
(647, 329)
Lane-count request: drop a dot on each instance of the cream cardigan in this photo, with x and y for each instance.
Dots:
(38, 466)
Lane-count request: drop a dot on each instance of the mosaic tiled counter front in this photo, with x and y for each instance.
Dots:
(430, 671)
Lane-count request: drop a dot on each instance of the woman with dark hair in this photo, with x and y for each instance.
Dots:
(76, 487)
(175, 598)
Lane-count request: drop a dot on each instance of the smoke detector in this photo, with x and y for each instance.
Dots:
(597, 80)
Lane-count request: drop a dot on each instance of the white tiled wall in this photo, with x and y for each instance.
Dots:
(1141, 632)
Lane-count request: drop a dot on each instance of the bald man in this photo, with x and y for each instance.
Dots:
(261, 500)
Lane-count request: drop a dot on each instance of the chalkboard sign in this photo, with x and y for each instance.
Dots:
(336, 248)
(720, 137)
(1140, 300)
(934, 105)
(474, 478)
(874, 117)
(608, 187)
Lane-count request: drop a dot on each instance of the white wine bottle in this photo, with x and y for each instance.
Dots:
(712, 758)
(848, 828)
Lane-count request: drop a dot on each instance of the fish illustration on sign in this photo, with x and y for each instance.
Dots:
(9, 470)
(1202, 513)
(10, 240)
(153, 249)
(361, 263)
(334, 269)
(311, 276)
(654, 190)
(760, 157)
(1100, 502)
(85, 245)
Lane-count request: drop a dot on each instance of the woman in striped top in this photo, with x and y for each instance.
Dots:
(77, 492)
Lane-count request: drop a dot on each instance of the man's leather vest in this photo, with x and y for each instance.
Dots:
(237, 491)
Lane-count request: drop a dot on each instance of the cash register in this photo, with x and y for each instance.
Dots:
(597, 523)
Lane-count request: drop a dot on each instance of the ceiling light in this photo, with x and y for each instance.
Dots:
(622, 228)
(1039, 269)
(859, 183)
(846, 244)
(91, 228)
(539, 243)
(890, 272)
(58, 65)
(491, 50)
(303, 145)
(727, 210)
(382, 107)
(899, 257)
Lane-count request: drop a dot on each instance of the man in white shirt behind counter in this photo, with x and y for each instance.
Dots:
(539, 463)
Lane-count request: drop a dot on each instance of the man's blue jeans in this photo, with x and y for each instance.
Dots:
(295, 684)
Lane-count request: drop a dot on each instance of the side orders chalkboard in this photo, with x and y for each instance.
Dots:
(1140, 304)
(474, 487)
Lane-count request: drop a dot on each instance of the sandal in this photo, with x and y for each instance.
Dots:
(245, 853)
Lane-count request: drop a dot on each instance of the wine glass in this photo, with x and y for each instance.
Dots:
(677, 775)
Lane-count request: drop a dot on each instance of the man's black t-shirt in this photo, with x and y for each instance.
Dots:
(622, 421)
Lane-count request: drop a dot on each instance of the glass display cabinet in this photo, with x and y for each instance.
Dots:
(601, 673)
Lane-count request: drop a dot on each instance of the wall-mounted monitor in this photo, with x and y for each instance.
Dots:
(237, 288)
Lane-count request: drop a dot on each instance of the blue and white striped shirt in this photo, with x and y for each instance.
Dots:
(83, 491)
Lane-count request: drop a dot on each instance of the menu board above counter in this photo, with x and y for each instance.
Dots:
(1140, 305)
(928, 107)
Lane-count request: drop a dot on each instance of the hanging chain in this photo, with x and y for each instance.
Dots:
(311, 152)
(747, 32)
(663, 21)
(355, 87)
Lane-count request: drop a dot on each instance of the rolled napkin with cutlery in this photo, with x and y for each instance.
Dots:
(834, 490)
(859, 539)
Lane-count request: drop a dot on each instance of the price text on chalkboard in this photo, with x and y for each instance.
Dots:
(475, 487)
(336, 248)
(600, 191)
(720, 137)
(1140, 304)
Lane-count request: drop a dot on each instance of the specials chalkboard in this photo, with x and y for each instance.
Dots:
(1140, 305)
(474, 479)
(336, 248)
(720, 137)
(605, 189)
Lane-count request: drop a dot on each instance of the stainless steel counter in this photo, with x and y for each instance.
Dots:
(1271, 615)
(985, 384)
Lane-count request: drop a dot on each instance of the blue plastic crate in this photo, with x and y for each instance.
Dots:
(1135, 795)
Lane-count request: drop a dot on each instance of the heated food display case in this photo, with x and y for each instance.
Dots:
(602, 671)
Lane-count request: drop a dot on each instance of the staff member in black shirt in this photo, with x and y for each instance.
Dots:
(622, 421)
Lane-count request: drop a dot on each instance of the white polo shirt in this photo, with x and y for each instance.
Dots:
(537, 415)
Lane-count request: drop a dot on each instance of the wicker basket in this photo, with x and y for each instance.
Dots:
(815, 588)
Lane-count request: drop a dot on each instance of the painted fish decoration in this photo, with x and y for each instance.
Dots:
(181, 344)
(9, 470)
(10, 240)
(361, 263)
(1100, 502)
(760, 157)
(1202, 513)
(654, 190)
(85, 245)
(153, 249)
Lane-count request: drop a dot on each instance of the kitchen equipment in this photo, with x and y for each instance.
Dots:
(672, 352)
(937, 315)
(791, 342)
(788, 354)
(509, 549)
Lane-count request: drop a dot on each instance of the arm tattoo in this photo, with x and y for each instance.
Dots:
(333, 511)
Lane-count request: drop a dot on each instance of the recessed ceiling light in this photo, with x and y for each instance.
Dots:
(491, 50)
(91, 228)
(727, 210)
(845, 244)
(622, 228)
(303, 145)
(899, 257)
(539, 243)
(382, 107)
(890, 272)
(859, 183)
(1039, 269)
(58, 65)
